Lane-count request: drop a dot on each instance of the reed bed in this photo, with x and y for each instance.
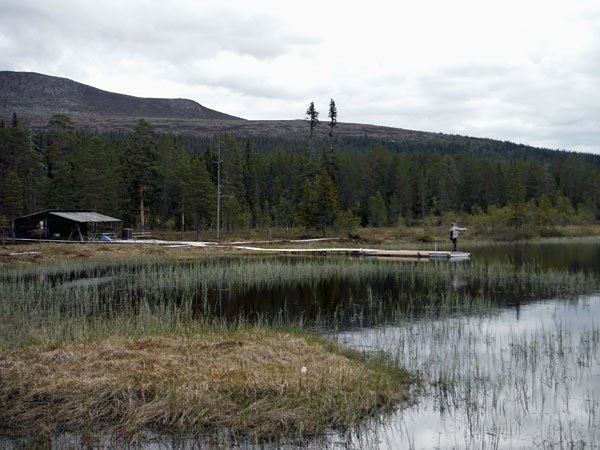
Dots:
(140, 334)
(132, 347)
(496, 382)
(69, 302)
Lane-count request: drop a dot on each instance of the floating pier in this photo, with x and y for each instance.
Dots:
(405, 255)
(408, 255)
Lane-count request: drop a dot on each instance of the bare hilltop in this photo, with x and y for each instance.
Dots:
(35, 98)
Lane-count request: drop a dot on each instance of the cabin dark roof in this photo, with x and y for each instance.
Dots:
(75, 216)
(84, 216)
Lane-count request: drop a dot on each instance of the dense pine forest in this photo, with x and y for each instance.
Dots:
(321, 186)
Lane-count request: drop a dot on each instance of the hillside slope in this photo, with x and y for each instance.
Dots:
(37, 97)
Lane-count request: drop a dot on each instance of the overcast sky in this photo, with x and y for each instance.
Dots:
(525, 71)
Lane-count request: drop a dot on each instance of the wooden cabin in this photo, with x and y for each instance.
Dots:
(72, 225)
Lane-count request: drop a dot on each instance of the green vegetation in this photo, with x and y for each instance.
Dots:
(158, 292)
(168, 183)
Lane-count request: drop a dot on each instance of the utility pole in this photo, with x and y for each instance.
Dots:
(219, 188)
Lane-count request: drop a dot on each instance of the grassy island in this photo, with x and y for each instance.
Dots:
(255, 382)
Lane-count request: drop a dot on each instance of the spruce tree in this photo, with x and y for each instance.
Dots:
(63, 163)
(377, 210)
(250, 179)
(516, 196)
(332, 117)
(141, 165)
(326, 206)
(312, 117)
(196, 192)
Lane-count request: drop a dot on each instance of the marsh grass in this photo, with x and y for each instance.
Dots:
(129, 337)
(135, 346)
(499, 383)
(265, 384)
(72, 301)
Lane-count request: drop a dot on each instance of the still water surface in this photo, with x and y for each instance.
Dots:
(347, 303)
(582, 254)
(525, 376)
(530, 380)
(524, 373)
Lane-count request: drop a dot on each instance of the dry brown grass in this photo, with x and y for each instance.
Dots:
(250, 382)
(51, 252)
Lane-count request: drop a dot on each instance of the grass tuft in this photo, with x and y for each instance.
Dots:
(251, 382)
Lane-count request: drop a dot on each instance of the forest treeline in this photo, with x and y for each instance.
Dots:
(334, 185)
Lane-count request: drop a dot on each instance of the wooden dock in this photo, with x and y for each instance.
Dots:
(408, 255)
(405, 255)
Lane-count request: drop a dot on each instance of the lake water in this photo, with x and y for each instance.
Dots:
(346, 302)
(515, 378)
(524, 373)
(519, 370)
(530, 380)
(582, 254)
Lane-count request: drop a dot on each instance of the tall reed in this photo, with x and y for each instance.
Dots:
(69, 302)
(492, 381)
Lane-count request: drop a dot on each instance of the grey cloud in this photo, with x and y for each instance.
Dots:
(27, 36)
(164, 33)
(513, 105)
(245, 84)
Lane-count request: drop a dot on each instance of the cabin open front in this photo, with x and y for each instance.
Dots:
(65, 225)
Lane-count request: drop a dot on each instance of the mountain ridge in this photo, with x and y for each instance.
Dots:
(36, 97)
(39, 96)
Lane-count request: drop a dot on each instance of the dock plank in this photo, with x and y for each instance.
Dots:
(361, 252)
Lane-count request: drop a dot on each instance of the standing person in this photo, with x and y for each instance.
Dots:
(454, 232)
